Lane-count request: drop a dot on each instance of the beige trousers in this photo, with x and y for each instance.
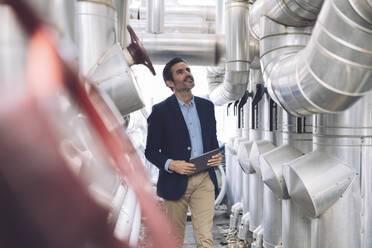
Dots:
(199, 197)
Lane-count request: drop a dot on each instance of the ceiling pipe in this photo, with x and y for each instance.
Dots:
(172, 12)
(196, 49)
(331, 72)
(298, 13)
(239, 54)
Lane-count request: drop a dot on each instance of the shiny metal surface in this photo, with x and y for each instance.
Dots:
(317, 79)
(177, 27)
(113, 75)
(302, 141)
(275, 190)
(196, 49)
(123, 17)
(155, 16)
(245, 193)
(258, 148)
(298, 13)
(12, 48)
(346, 135)
(272, 164)
(95, 31)
(237, 60)
(320, 185)
(220, 16)
(256, 184)
(255, 201)
(316, 181)
(272, 219)
(229, 174)
(363, 8)
(237, 171)
(185, 13)
(244, 152)
(296, 227)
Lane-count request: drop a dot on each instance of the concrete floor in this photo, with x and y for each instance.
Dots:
(220, 222)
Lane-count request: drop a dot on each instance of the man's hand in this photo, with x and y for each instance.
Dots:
(182, 167)
(216, 160)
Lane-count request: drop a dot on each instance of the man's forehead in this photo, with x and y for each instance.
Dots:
(180, 65)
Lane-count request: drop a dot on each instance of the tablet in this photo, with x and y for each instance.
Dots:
(201, 161)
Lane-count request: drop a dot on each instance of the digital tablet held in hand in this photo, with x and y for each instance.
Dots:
(201, 161)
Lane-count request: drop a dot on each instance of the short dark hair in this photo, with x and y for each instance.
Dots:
(167, 74)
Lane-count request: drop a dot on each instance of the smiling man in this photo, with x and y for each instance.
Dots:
(181, 127)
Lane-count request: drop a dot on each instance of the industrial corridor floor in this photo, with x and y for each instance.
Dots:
(222, 235)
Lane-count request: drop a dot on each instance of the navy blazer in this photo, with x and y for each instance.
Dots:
(168, 138)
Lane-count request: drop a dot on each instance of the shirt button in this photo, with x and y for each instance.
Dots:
(192, 136)
(190, 123)
(194, 150)
(189, 148)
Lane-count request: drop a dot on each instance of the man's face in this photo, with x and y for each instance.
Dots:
(182, 77)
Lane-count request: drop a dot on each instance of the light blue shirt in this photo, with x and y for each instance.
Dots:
(191, 117)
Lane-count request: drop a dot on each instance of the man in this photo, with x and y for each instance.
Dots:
(179, 128)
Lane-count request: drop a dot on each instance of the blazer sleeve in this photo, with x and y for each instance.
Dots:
(155, 139)
(214, 140)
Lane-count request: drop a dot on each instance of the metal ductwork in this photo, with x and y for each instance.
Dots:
(196, 49)
(317, 79)
(240, 52)
(297, 13)
(155, 16)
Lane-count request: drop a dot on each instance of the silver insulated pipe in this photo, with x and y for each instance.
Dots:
(239, 54)
(331, 72)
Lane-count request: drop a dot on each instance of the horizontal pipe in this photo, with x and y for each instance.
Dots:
(196, 49)
(140, 26)
(185, 12)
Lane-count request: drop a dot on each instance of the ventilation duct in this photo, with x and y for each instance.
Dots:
(240, 52)
(331, 72)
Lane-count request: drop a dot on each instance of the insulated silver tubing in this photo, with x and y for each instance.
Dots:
(155, 16)
(173, 12)
(95, 30)
(298, 13)
(333, 71)
(196, 49)
(238, 57)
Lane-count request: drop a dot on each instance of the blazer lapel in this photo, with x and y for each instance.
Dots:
(203, 121)
(180, 122)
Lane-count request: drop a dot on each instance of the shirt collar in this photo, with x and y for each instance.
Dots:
(181, 103)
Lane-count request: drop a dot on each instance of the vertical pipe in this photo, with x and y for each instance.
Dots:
(123, 16)
(155, 16)
(134, 235)
(220, 17)
(347, 136)
(12, 48)
(272, 220)
(94, 22)
(296, 228)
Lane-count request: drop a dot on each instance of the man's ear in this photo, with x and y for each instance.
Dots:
(170, 83)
